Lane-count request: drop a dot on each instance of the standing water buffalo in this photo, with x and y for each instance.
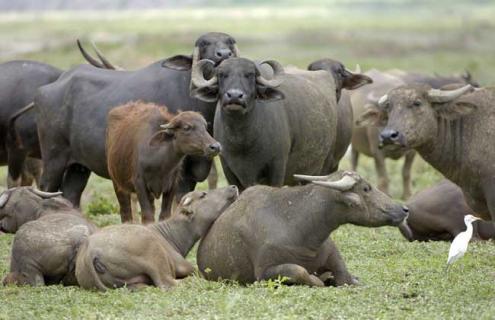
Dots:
(453, 130)
(145, 159)
(271, 232)
(44, 250)
(19, 81)
(73, 111)
(135, 256)
(271, 128)
(437, 213)
(23, 204)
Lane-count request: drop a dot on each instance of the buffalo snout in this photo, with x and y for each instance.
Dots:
(222, 54)
(234, 97)
(391, 137)
(213, 149)
(398, 215)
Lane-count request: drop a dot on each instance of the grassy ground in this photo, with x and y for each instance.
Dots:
(399, 280)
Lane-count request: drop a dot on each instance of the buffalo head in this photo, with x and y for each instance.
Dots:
(413, 112)
(344, 79)
(237, 83)
(367, 205)
(188, 131)
(214, 46)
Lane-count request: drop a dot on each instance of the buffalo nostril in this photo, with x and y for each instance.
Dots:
(394, 135)
(218, 54)
(241, 95)
(405, 209)
(229, 95)
(229, 54)
(215, 147)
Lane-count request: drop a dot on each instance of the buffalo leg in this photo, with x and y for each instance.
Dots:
(381, 171)
(406, 174)
(276, 177)
(354, 159)
(75, 180)
(335, 264)
(213, 177)
(53, 172)
(146, 202)
(295, 274)
(32, 171)
(124, 199)
(231, 177)
(16, 160)
(167, 200)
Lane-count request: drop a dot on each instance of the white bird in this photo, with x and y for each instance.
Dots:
(460, 244)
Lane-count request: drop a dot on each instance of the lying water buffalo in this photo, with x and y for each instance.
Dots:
(271, 128)
(437, 213)
(365, 138)
(452, 130)
(145, 159)
(136, 255)
(73, 111)
(23, 204)
(19, 81)
(44, 250)
(271, 232)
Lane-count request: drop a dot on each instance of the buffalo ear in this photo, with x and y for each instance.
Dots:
(351, 199)
(161, 137)
(206, 94)
(179, 62)
(268, 94)
(454, 110)
(353, 81)
(372, 117)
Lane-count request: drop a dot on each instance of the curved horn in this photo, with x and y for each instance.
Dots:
(197, 77)
(344, 184)
(277, 71)
(373, 98)
(88, 57)
(436, 95)
(44, 194)
(237, 52)
(310, 178)
(383, 100)
(4, 197)
(104, 60)
(167, 126)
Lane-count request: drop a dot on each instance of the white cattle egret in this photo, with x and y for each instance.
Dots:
(460, 244)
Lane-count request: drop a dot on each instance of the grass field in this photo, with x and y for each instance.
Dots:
(399, 280)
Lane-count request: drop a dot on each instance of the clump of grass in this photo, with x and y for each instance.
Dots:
(101, 206)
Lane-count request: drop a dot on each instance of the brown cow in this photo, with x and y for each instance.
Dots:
(437, 213)
(145, 159)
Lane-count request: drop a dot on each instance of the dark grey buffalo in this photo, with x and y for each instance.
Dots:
(453, 130)
(271, 128)
(19, 81)
(437, 213)
(73, 112)
(270, 232)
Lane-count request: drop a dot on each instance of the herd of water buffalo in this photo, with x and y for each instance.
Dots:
(280, 133)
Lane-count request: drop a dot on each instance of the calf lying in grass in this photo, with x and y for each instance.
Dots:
(44, 250)
(23, 204)
(271, 232)
(145, 159)
(137, 255)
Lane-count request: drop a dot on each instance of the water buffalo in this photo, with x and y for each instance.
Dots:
(44, 250)
(270, 232)
(23, 204)
(136, 255)
(271, 128)
(365, 138)
(435, 81)
(452, 130)
(19, 81)
(437, 213)
(145, 147)
(73, 111)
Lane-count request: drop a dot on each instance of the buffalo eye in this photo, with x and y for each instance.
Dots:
(203, 194)
(367, 188)
(417, 103)
(204, 43)
(230, 41)
(186, 127)
(249, 75)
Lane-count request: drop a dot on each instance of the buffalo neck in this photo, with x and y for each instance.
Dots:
(178, 232)
(445, 151)
(240, 130)
(321, 215)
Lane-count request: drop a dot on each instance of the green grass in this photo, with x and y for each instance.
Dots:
(399, 280)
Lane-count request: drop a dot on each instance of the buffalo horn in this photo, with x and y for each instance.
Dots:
(310, 178)
(436, 95)
(344, 184)
(44, 194)
(277, 71)
(197, 76)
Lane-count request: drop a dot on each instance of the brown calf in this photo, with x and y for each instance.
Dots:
(145, 147)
